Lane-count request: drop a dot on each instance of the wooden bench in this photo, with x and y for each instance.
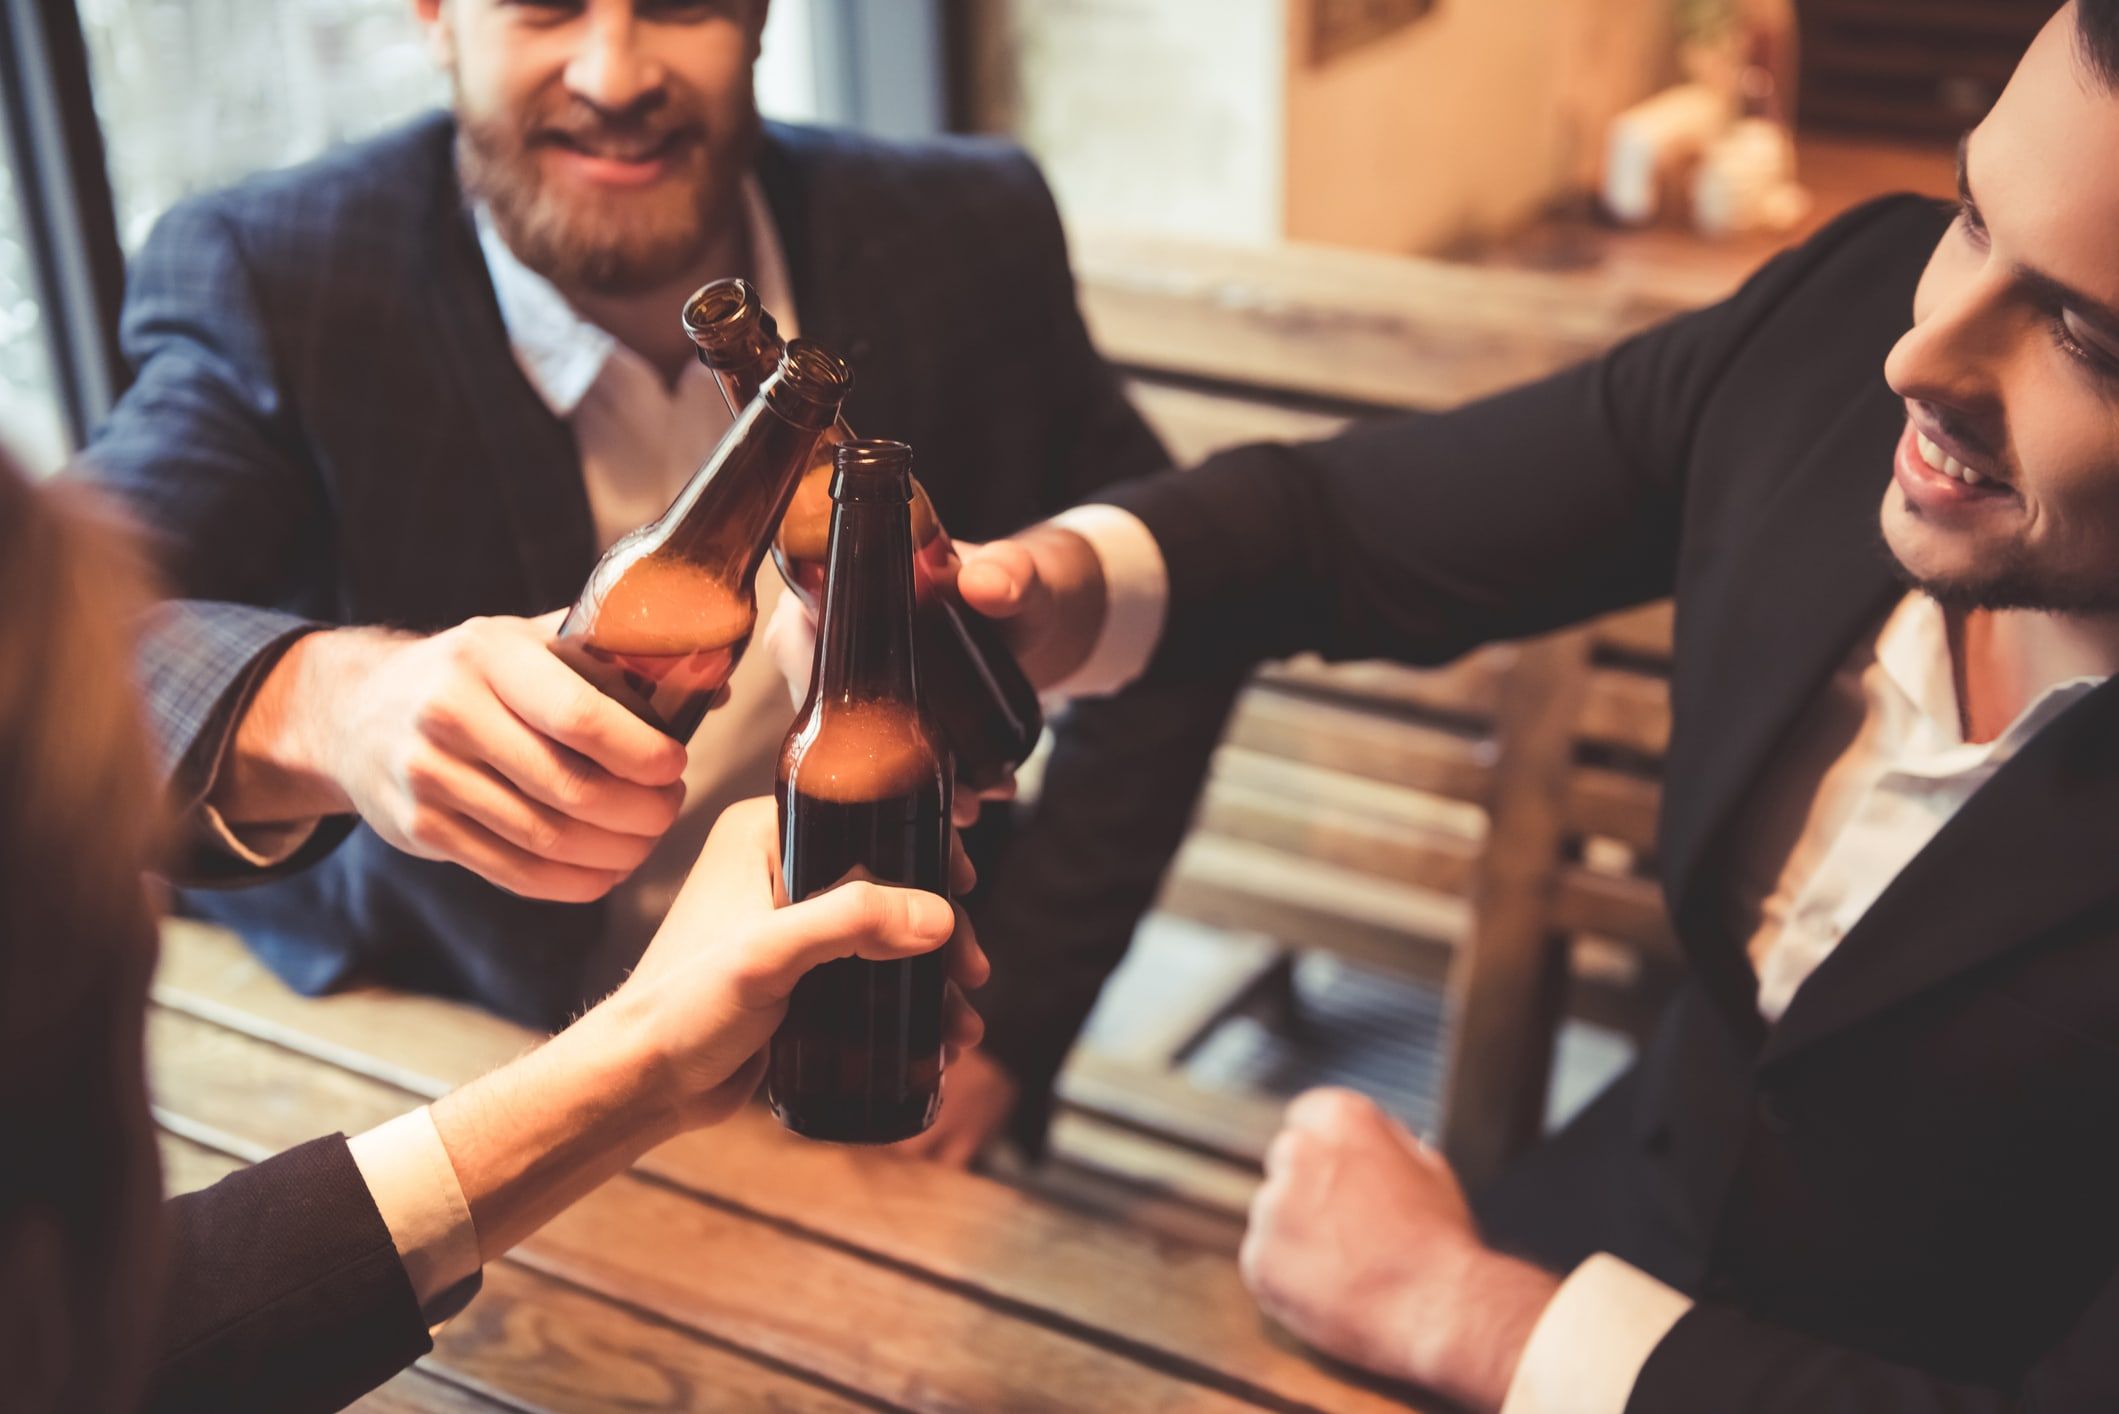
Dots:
(1488, 826)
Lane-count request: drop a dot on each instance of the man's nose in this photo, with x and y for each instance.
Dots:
(612, 71)
(1955, 355)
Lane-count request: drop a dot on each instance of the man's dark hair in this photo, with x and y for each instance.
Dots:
(2097, 38)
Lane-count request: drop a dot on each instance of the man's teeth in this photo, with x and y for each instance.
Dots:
(1948, 465)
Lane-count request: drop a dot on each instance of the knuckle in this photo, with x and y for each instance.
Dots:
(437, 716)
(541, 834)
(869, 909)
(423, 777)
(574, 784)
(580, 713)
(1334, 1108)
(424, 827)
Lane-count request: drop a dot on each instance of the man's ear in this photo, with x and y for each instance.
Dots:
(434, 17)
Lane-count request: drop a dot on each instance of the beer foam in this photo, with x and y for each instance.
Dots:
(664, 606)
(861, 751)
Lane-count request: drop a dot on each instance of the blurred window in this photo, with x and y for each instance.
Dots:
(30, 420)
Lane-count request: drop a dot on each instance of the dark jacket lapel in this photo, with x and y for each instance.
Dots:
(1756, 642)
(530, 456)
(824, 197)
(2031, 850)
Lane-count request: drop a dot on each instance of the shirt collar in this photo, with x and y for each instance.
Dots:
(563, 354)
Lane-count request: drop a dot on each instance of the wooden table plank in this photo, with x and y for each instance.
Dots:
(531, 1342)
(417, 1392)
(754, 1285)
(1177, 1305)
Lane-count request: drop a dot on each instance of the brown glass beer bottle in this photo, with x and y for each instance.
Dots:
(984, 705)
(668, 610)
(864, 787)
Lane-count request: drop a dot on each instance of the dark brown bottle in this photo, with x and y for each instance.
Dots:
(668, 610)
(984, 705)
(864, 789)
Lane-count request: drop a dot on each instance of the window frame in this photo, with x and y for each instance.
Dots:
(55, 148)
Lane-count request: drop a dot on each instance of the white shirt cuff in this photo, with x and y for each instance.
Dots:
(1136, 594)
(260, 846)
(414, 1185)
(1588, 1348)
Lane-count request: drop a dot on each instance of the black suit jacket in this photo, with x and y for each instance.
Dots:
(285, 1293)
(1906, 1195)
(328, 427)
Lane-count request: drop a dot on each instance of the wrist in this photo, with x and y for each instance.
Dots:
(1471, 1354)
(615, 1049)
(281, 763)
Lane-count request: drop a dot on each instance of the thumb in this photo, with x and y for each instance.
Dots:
(549, 623)
(1000, 579)
(879, 922)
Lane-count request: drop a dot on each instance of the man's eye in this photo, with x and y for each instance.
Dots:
(1968, 217)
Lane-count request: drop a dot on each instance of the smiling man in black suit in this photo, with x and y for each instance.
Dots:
(1869, 1162)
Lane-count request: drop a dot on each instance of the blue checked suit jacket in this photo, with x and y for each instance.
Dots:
(327, 427)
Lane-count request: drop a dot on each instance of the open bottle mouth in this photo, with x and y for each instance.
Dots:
(728, 322)
(873, 470)
(811, 383)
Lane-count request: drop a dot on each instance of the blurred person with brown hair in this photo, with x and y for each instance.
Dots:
(390, 405)
(305, 1281)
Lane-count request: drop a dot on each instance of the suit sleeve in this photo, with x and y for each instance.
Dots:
(1716, 1357)
(285, 1292)
(1125, 771)
(204, 453)
(1417, 538)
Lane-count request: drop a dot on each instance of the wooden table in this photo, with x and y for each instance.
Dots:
(735, 1268)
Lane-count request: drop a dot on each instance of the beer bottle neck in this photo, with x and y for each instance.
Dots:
(864, 635)
(743, 374)
(723, 520)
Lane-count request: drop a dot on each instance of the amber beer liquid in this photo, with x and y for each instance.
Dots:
(668, 610)
(985, 707)
(864, 788)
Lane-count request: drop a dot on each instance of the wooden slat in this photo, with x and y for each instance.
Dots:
(534, 1342)
(425, 1045)
(1185, 1307)
(417, 1392)
(754, 1285)
(1234, 1125)
(1508, 988)
(1467, 688)
(187, 1167)
(1643, 632)
(1629, 710)
(1614, 804)
(1343, 838)
(1094, 1166)
(1389, 330)
(1230, 884)
(1613, 906)
(1312, 787)
(1361, 743)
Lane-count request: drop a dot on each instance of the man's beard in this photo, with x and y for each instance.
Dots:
(2009, 583)
(636, 244)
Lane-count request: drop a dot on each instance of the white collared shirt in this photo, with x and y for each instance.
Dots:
(1876, 768)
